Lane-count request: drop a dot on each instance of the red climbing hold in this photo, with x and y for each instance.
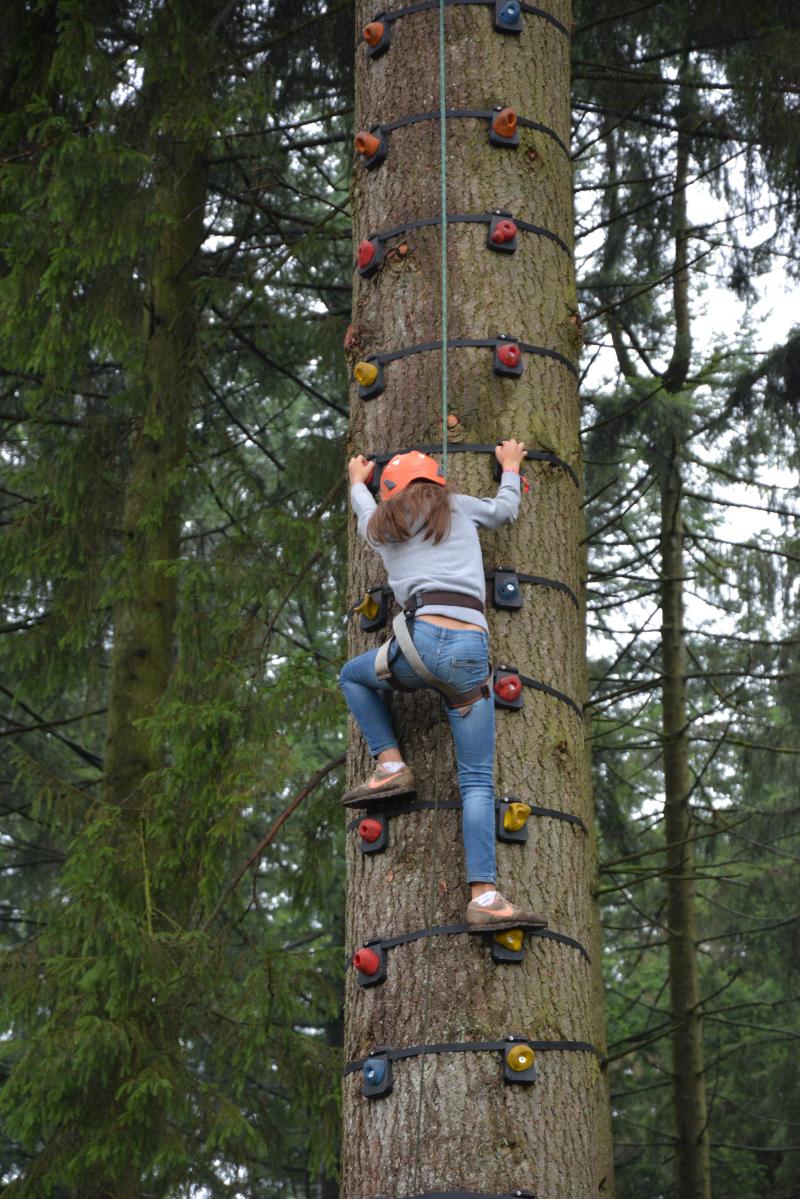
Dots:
(504, 231)
(369, 830)
(509, 687)
(509, 354)
(366, 961)
(366, 253)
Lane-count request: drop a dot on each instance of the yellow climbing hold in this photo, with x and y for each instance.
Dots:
(515, 816)
(520, 1057)
(368, 607)
(511, 938)
(366, 373)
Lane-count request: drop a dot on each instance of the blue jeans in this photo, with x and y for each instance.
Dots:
(461, 659)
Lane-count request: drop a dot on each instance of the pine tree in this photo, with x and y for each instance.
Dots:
(450, 1124)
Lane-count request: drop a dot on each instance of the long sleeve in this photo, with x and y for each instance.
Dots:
(364, 505)
(494, 512)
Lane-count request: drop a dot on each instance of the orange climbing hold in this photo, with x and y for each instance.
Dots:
(367, 144)
(504, 123)
(374, 32)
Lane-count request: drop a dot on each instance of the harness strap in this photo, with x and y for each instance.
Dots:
(461, 701)
(448, 599)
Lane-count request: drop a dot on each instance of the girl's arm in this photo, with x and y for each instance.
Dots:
(502, 509)
(360, 471)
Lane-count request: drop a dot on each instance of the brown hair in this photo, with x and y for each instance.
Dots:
(398, 518)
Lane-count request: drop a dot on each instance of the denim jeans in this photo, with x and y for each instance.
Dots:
(461, 659)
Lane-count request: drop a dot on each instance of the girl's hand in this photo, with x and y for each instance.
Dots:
(360, 469)
(510, 454)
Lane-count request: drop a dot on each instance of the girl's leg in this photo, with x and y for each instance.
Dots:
(364, 693)
(474, 741)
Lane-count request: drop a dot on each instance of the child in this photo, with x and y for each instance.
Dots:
(427, 537)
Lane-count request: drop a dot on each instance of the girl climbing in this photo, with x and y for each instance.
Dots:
(427, 536)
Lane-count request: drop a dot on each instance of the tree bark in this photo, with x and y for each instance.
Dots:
(477, 1134)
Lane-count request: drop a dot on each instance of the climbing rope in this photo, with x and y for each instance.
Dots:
(433, 856)
(432, 885)
(443, 181)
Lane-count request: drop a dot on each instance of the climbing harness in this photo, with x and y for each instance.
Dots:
(458, 701)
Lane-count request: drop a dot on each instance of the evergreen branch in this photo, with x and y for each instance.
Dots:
(710, 499)
(656, 199)
(85, 754)
(242, 428)
(295, 29)
(284, 370)
(302, 794)
(645, 853)
(46, 725)
(672, 274)
(617, 16)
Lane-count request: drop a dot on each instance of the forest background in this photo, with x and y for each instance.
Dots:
(172, 961)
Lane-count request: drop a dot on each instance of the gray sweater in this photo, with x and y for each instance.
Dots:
(456, 563)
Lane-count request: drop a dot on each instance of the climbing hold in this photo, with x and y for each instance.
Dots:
(507, 592)
(511, 938)
(377, 1074)
(369, 606)
(502, 235)
(369, 963)
(372, 149)
(507, 687)
(512, 820)
(378, 36)
(369, 377)
(508, 16)
(515, 816)
(373, 834)
(503, 129)
(369, 258)
(507, 357)
(374, 609)
(520, 1062)
(365, 373)
(508, 946)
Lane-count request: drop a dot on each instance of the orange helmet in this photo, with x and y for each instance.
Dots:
(405, 468)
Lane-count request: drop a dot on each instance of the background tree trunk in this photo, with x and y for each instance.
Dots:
(688, 1063)
(144, 615)
(688, 1067)
(478, 1134)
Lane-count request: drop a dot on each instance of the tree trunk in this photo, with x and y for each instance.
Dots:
(694, 1171)
(146, 605)
(477, 1134)
(144, 615)
(688, 1063)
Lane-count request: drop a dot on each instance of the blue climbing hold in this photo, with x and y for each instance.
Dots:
(508, 16)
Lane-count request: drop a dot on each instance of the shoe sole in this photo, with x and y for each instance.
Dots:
(377, 797)
(499, 926)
